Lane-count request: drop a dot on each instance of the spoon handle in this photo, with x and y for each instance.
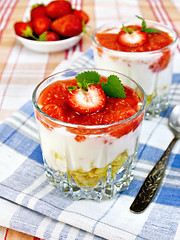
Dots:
(152, 182)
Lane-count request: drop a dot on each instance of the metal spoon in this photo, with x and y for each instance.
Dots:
(153, 180)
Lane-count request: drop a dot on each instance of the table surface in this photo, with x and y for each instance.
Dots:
(22, 69)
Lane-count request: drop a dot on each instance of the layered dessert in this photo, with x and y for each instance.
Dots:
(89, 126)
(142, 50)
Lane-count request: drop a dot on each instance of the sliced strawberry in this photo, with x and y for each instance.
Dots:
(41, 24)
(134, 39)
(85, 102)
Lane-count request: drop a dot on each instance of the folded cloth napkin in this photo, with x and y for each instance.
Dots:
(28, 203)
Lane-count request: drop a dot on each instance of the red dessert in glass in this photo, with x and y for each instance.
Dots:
(89, 154)
(141, 53)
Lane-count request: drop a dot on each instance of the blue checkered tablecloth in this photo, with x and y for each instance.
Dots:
(28, 203)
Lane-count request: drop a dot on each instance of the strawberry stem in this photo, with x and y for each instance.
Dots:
(28, 33)
(84, 28)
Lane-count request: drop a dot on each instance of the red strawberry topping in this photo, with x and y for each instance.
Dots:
(134, 39)
(54, 111)
(85, 102)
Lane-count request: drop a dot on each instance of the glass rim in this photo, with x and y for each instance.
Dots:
(135, 21)
(72, 125)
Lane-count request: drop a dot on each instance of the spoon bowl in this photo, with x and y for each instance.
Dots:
(174, 121)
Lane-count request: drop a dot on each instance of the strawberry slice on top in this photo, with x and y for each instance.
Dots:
(135, 36)
(87, 101)
(89, 95)
(132, 39)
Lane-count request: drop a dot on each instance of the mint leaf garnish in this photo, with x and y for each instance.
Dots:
(88, 78)
(128, 30)
(72, 88)
(113, 87)
(143, 23)
(147, 30)
(151, 30)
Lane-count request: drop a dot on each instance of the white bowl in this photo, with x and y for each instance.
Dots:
(49, 46)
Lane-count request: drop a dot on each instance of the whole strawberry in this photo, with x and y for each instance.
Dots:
(37, 10)
(82, 15)
(23, 29)
(56, 9)
(68, 26)
(49, 36)
(41, 24)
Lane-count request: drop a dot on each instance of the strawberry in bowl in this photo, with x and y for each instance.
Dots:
(52, 27)
(140, 49)
(89, 121)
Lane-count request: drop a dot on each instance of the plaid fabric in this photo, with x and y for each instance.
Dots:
(27, 194)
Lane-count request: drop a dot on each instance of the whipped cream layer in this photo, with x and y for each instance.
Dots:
(62, 151)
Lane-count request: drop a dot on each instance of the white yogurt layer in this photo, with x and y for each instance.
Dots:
(136, 66)
(63, 152)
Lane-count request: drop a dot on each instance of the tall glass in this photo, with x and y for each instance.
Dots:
(151, 69)
(89, 161)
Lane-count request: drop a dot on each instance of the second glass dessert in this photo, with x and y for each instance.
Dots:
(89, 154)
(149, 62)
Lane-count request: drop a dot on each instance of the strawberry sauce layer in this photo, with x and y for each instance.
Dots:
(53, 101)
(155, 41)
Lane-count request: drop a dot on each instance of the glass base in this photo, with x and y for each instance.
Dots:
(106, 188)
(156, 106)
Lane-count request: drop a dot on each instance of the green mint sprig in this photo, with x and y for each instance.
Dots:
(144, 27)
(128, 30)
(85, 79)
(112, 88)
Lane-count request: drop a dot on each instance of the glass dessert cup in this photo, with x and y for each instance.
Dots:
(89, 161)
(151, 69)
